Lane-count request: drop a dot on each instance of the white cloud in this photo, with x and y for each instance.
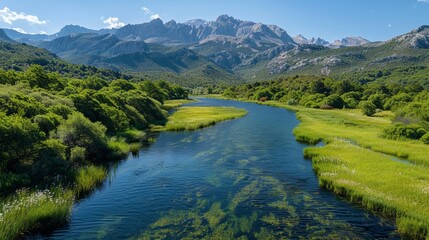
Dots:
(151, 14)
(20, 30)
(154, 16)
(147, 10)
(114, 23)
(8, 16)
(43, 32)
(423, 1)
(389, 25)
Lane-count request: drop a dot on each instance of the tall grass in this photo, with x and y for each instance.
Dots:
(393, 188)
(88, 178)
(133, 135)
(42, 210)
(192, 118)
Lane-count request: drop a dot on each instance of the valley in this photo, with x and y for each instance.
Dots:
(211, 129)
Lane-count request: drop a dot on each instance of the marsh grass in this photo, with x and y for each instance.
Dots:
(87, 178)
(380, 184)
(192, 118)
(34, 211)
(132, 135)
(119, 148)
(170, 104)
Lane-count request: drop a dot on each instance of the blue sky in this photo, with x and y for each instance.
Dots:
(329, 19)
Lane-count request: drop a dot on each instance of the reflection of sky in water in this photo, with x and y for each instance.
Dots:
(245, 177)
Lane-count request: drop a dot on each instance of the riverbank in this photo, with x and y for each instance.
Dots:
(44, 208)
(354, 164)
(193, 118)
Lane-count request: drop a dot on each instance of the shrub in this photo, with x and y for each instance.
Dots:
(368, 108)
(332, 101)
(292, 102)
(404, 131)
(425, 138)
(79, 131)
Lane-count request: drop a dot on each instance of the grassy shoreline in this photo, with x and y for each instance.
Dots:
(354, 164)
(193, 118)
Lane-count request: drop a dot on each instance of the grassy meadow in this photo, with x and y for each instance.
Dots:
(192, 118)
(390, 177)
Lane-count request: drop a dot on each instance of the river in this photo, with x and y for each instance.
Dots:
(242, 178)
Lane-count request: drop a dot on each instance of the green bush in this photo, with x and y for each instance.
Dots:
(79, 131)
(368, 108)
(332, 101)
(404, 131)
(425, 138)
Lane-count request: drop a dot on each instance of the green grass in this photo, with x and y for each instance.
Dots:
(88, 178)
(353, 163)
(42, 210)
(132, 135)
(192, 118)
(393, 188)
(170, 104)
(364, 131)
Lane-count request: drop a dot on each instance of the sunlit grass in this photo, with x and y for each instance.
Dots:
(170, 104)
(380, 184)
(192, 118)
(133, 135)
(364, 131)
(42, 210)
(89, 177)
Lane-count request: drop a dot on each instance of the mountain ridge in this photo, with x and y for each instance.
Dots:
(232, 47)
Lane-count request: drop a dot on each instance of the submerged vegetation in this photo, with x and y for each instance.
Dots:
(59, 132)
(192, 118)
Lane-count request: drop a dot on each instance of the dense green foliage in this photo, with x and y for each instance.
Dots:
(50, 124)
(410, 102)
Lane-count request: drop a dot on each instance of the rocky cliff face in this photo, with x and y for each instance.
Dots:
(418, 38)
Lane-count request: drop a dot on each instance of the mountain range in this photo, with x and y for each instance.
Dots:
(226, 49)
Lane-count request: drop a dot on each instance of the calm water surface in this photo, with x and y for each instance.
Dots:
(243, 178)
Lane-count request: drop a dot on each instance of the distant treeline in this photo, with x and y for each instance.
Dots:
(409, 100)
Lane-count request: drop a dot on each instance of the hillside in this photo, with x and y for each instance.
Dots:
(229, 50)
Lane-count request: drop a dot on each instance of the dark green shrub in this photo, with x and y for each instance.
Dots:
(404, 131)
(80, 131)
(425, 138)
(332, 101)
(368, 108)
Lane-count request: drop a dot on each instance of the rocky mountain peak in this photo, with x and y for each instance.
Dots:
(171, 23)
(300, 39)
(349, 42)
(418, 38)
(226, 19)
(423, 29)
(73, 29)
(157, 22)
(196, 23)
